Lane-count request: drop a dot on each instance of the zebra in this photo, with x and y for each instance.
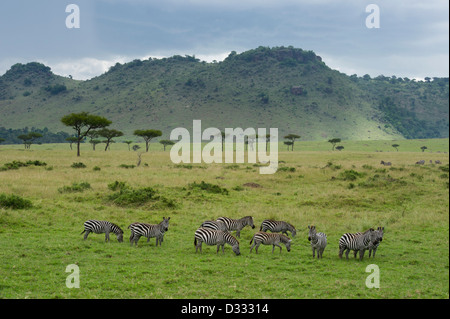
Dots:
(270, 239)
(421, 162)
(277, 227)
(214, 224)
(318, 241)
(359, 242)
(149, 231)
(237, 224)
(100, 227)
(215, 237)
(373, 248)
(386, 163)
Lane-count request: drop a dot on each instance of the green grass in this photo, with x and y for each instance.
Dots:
(410, 201)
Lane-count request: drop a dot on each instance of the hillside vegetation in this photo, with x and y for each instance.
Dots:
(284, 87)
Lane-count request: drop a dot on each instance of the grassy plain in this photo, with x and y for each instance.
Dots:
(339, 192)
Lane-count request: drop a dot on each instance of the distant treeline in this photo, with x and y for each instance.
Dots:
(10, 136)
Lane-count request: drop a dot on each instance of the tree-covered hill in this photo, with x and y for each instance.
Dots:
(284, 87)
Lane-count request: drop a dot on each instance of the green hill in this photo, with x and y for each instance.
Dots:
(282, 87)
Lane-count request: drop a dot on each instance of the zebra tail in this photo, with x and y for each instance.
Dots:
(83, 232)
(252, 239)
(195, 241)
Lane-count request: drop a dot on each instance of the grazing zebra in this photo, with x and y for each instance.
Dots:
(149, 231)
(386, 163)
(214, 224)
(437, 162)
(359, 242)
(270, 239)
(100, 227)
(237, 224)
(215, 237)
(277, 227)
(318, 241)
(421, 162)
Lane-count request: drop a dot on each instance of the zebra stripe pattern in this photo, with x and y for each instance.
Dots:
(215, 237)
(100, 227)
(373, 248)
(237, 224)
(270, 239)
(359, 242)
(214, 224)
(149, 231)
(318, 241)
(277, 227)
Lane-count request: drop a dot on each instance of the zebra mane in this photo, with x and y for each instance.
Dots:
(367, 231)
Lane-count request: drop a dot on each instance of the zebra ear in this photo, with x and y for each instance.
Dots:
(309, 227)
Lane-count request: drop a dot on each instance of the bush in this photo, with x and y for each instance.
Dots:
(14, 202)
(126, 195)
(18, 164)
(76, 187)
(78, 165)
(350, 175)
(210, 188)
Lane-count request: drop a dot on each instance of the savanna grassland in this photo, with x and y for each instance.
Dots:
(339, 192)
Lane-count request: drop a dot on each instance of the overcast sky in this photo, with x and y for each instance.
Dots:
(412, 40)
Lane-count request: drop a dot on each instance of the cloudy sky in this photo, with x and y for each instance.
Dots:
(412, 40)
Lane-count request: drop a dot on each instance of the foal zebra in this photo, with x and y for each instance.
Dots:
(214, 224)
(100, 227)
(358, 241)
(270, 239)
(149, 231)
(237, 224)
(318, 241)
(215, 237)
(277, 227)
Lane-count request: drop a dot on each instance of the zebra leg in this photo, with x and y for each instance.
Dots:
(341, 251)
(253, 245)
(257, 246)
(198, 246)
(238, 233)
(347, 252)
(86, 234)
(355, 252)
(361, 254)
(106, 236)
(136, 239)
(314, 252)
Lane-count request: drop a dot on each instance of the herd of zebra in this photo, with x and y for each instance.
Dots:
(217, 232)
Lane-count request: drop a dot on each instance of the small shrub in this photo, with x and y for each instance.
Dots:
(14, 202)
(286, 169)
(350, 175)
(117, 185)
(96, 168)
(75, 188)
(210, 188)
(129, 196)
(78, 165)
(127, 166)
(18, 164)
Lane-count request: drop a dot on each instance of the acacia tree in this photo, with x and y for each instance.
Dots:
(71, 140)
(166, 143)
(334, 141)
(128, 142)
(147, 135)
(29, 138)
(292, 137)
(109, 135)
(83, 123)
(395, 146)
